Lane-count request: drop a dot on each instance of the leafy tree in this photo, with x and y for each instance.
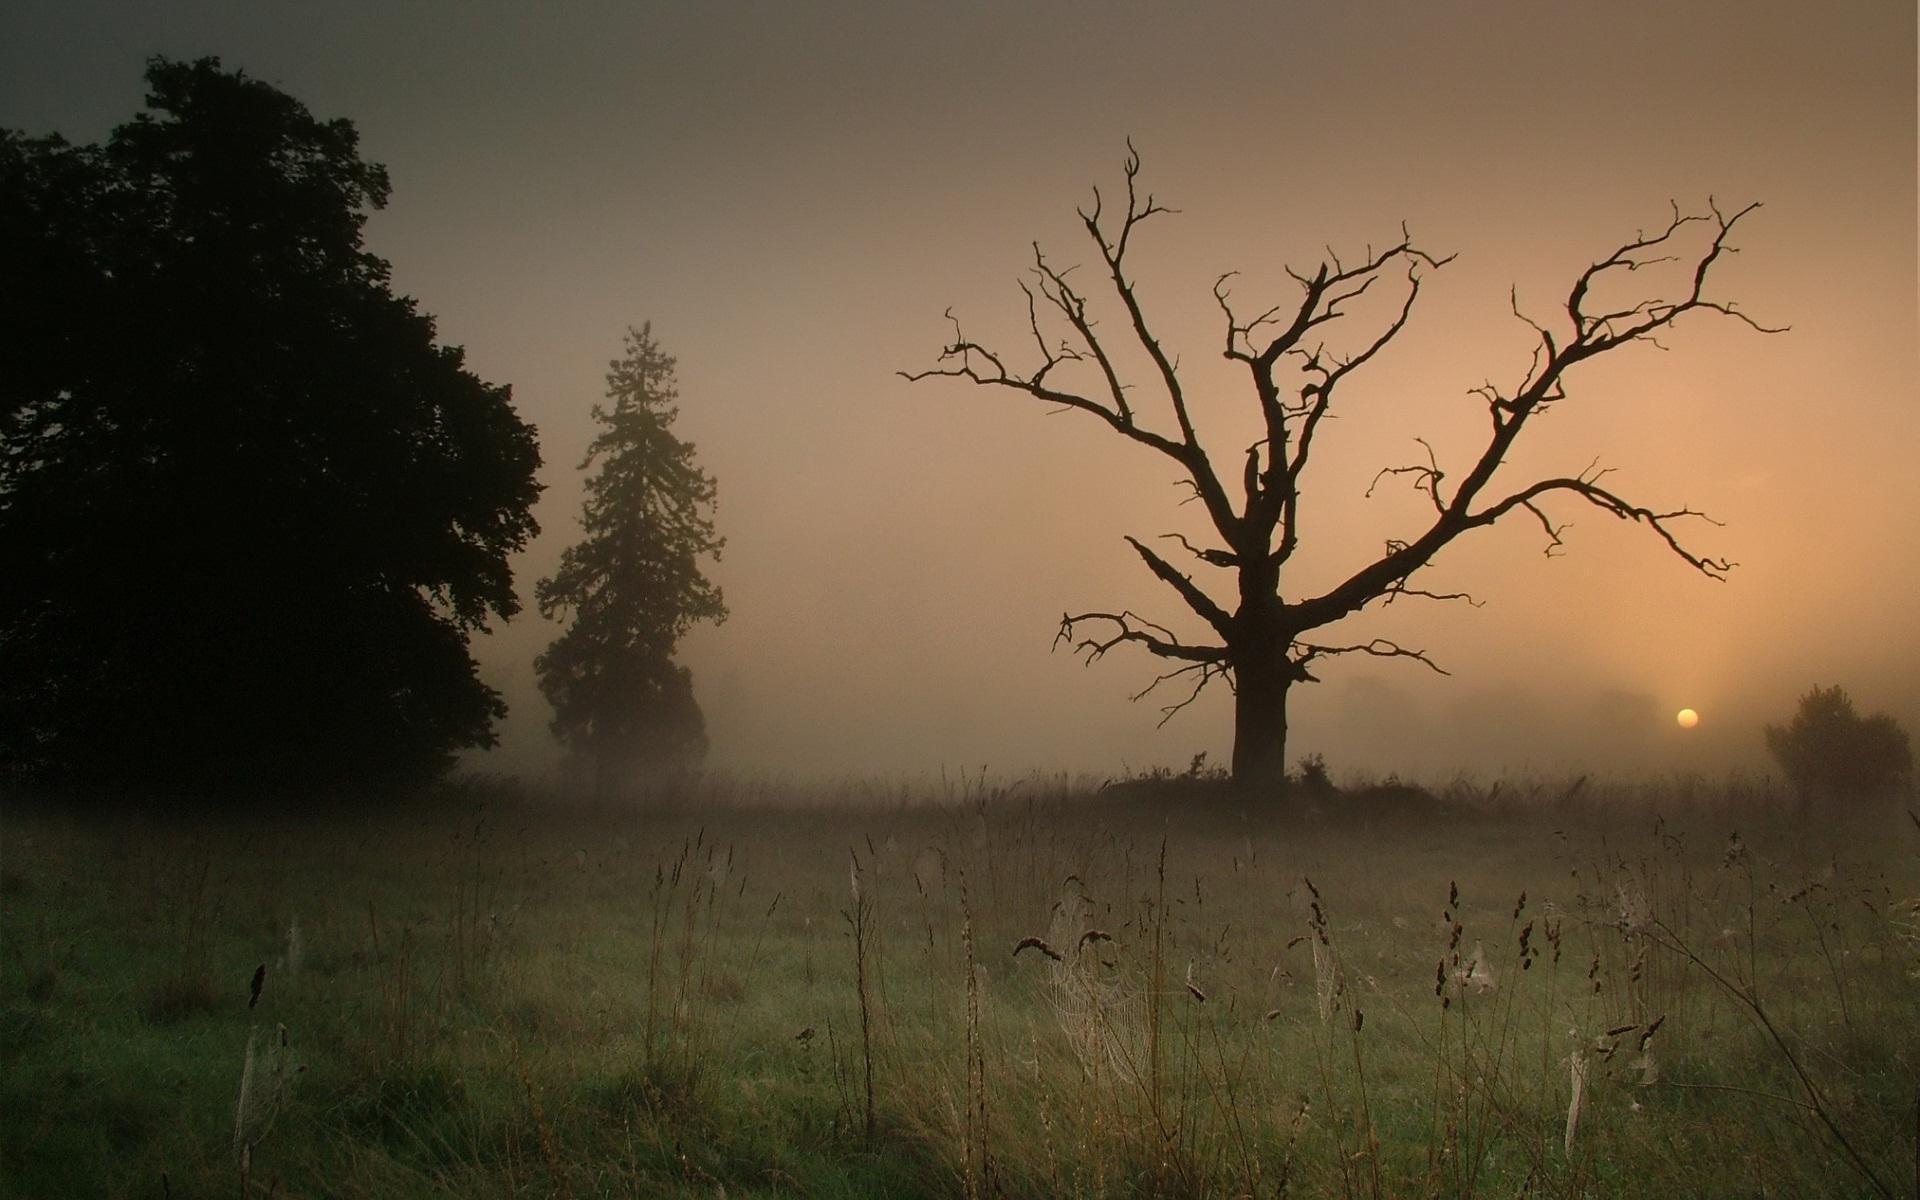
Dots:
(1297, 362)
(1828, 751)
(634, 585)
(251, 509)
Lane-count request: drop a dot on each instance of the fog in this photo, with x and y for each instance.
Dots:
(794, 194)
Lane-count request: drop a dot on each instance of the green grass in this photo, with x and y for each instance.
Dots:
(490, 996)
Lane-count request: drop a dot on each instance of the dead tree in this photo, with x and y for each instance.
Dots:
(1262, 649)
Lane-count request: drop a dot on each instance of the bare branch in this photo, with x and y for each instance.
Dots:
(1113, 252)
(1127, 627)
(1072, 306)
(1203, 663)
(964, 359)
(1593, 333)
(1240, 336)
(1586, 486)
(971, 361)
(1425, 478)
(1303, 654)
(1206, 554)
(1596, 333)
(1400, 591)
(1204, 673)
(1322, 391)
(1196, 599)
(1546, 336)
(1294, 423)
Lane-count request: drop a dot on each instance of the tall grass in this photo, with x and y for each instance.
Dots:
(1030, 989)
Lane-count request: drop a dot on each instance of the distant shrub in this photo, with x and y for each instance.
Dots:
(1829, 751)
(1312, 779)
(1165, 783)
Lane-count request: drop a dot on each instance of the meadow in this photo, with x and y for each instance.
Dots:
(967, 988)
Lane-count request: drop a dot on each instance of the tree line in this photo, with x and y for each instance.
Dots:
(253, 508)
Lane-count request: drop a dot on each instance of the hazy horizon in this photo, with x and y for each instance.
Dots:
(793, 196)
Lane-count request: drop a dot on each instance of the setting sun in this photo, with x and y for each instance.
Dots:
(1687, 718)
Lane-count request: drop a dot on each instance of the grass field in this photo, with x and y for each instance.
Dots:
(1625, 992)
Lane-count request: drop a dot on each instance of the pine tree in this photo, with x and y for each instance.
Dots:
(633, 586)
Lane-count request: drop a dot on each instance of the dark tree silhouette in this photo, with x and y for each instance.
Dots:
(1828, 751)
(1262, 648)
(251, 510)
(634, 586)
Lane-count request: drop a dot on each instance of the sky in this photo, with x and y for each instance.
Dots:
(794, 194)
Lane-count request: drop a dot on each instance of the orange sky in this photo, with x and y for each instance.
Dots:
(793, 194)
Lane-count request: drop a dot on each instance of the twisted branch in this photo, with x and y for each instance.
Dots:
(1302, 655)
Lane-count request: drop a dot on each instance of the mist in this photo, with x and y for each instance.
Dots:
(1014, 806)
(794, 195)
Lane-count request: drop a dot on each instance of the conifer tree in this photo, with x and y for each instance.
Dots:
(634, 585)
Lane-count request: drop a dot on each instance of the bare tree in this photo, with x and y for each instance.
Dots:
(1262, 648)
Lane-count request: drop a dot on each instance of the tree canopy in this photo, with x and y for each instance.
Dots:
(1829, 751)
(252, 509)
(634, 585)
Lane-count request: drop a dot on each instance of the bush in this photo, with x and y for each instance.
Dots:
(1829, 751)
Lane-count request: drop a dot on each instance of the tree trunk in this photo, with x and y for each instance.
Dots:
(1260, 726)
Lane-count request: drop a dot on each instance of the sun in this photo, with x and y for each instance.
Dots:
(1687, 718)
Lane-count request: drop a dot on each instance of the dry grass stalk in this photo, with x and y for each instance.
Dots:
(296, 948)
(243, 1106)
(1745, 994)
(397, 1010)
(1577, 1065)
(549, 1144)
(263, 1093)
(860, 923)
(977, 1162)
(1325, 979)
(1329, 981)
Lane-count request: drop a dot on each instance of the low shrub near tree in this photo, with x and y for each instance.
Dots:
(1829, 751)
